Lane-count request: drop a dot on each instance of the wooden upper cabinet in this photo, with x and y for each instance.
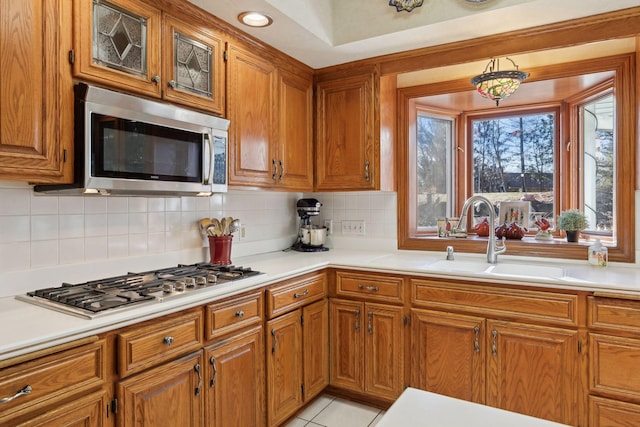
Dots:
(295, 148)
(193, 65)
(36, 95)
(252, 88)
(347, 134)
(117, 42)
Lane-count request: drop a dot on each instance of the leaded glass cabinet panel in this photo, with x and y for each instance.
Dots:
(117, 43)
(193, 65)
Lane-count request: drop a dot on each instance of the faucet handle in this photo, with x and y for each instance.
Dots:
(449, 253)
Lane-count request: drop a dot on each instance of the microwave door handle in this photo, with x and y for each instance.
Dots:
(209, 178)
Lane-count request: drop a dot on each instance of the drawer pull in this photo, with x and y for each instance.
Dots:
(476, 341)
(369, 288)
(494, 342)
(24, 391)
(240, 314)
(301, 294)
(275, 341)
(370, 324)
(167, 340)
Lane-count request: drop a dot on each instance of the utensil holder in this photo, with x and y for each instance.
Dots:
(220, 249)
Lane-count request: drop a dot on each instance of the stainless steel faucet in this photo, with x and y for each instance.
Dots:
(493, 250)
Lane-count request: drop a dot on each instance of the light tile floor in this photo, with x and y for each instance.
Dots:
(331, 411)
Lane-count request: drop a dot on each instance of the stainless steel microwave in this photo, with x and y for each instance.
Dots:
(125, 145)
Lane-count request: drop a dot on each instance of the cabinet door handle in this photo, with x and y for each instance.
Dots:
(198, 371)
(275, 170)
(367, 177)
(357, 320)
(370, 322)
(240, 314)
(476, 341)
(281, 170)
(212, 382)
(155, 79)
(275, 341)
(172, 84)
(26, 390)
(494, 342)
(369, 288)
(167, 340)
(301, 294)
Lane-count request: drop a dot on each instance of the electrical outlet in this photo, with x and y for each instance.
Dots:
(329, 224)
(242, 233)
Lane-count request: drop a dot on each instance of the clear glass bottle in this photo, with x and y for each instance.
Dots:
(598, 254)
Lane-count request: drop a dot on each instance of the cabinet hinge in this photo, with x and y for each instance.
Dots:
(579, 346)
(225, 55)
(72, 57)
(302, 389)
(64, 156)
(114, 405)
(301, 320)
(406, 321)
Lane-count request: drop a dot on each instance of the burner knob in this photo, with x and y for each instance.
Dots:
(190, 282)
(167, 288)
(201, 281)
(212, 278)
(180, 286)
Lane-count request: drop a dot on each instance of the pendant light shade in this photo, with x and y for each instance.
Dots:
(495, 84)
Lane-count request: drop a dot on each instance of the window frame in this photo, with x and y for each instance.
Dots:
(626, 128)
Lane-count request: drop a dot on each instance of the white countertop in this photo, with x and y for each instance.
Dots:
(27, 327)
(418, 408)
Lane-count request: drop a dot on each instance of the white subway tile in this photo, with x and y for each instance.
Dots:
(44, 227)
(71, 226)
(15, 256)
(71, 251)
(95, 248)
(118, 246)
(188, 204)
(117, 204)
(138, 223)
(95, 225)
(15, 201)
(71, 205)
(172, 204)
(44, 205)
(15, 229)
(155, 204)
(156, 242)
(95, 205)
(44, 253)
(156, 223)
(117, 224)
(138, 244)
(137, 204)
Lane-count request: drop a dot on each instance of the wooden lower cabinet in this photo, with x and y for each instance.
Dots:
(448, 354)
(297, 365)
(367, 353)
(86, 411)
(169, 395)
(533, 370)
(235, 381)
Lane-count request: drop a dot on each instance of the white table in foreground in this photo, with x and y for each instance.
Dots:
(418, 408)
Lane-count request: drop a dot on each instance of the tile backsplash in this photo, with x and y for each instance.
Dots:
(75, 238)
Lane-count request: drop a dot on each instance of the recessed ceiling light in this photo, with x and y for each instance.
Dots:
(255, 19)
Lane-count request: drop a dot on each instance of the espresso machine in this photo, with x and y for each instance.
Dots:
(311, 238)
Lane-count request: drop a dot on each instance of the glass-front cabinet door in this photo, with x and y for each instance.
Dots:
(118, 42)
(193, 65)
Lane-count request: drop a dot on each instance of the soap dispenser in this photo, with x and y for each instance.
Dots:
(598, 254)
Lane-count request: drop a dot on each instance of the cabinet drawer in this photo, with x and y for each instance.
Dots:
(51, 379)
(373, 287)
(233, 314)
(607, 413)
(158, 341)
(295, 293)
(613, 366)
(484, 300)
(614, 314)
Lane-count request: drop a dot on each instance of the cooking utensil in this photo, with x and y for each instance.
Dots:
(225, 223)
(234, 226)
(204, 224)
(217, 227)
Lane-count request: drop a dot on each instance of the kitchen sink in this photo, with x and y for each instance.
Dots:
(527, 270)
(459, 266)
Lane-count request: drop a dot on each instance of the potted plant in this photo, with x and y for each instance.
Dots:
(572, 222)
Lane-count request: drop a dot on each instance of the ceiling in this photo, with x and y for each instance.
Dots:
(322, 33)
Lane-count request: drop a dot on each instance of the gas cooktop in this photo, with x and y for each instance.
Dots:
(106, 296)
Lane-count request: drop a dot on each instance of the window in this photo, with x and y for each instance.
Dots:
(565, 152)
